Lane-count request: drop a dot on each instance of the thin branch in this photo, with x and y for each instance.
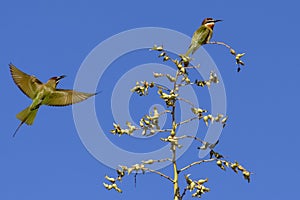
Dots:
(183, 193)
(159, 173)
(232, 51)
(183, 80)
(156, 131)
(164, 112)
(135, 179)
(163, 130)
(220, 43)
(192, 67)
(185, 84)
(192, 137)
(196, 163)
(161, 87)
(186, 101)
(187, 121)
(157, 161)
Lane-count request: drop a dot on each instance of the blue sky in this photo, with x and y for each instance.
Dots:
(50, 38)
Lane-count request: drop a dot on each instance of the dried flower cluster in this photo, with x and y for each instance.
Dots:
(149, 125)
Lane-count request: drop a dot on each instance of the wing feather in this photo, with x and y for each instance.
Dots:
(27, 84)
(202, 35)
(63, 97)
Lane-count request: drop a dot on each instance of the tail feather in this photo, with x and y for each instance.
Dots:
(27, 115)
(189, 51)
(18, 129)
(31, 117)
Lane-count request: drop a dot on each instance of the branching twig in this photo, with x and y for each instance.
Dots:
(186, 101)
(220, 43)
(163, 130)
(196, 163)
(187, 120)
(150, 123)
(159, 173)
(151, 161)
(232, 51)
(183, 193)
(161, 87)
(192, 137)
(164, 112)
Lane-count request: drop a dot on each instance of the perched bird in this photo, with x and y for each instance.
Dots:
(42, 94)
(202, 35)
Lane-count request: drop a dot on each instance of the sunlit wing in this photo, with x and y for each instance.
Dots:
(201, 38)
(63, 97)
(28, 84)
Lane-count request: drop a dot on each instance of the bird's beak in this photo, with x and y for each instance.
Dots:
(61, 77)
(218, 20)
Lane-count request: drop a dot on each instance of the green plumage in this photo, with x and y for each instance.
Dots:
(42, 94)
(27, 115)
(200, 37)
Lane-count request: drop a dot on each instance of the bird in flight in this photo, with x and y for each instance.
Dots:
(42, 94)
(202, 35)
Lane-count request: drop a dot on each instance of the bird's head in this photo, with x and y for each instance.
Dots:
(210, 22)
(53, 81)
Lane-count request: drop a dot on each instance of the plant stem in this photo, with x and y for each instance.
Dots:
(173, 147)
(175, 180)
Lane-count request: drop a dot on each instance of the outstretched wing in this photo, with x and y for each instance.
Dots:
(61, 97)
(28, 84)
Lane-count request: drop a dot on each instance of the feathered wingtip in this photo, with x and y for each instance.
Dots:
(96, 93)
